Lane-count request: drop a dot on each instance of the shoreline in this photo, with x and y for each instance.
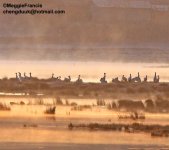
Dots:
(154, 129)
(81, 90)
(72, 146)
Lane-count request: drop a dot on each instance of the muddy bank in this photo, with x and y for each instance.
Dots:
(154, 130)
(75, 146)
(49, 87)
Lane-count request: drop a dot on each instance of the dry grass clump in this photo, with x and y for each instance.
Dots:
(39, 101)
(109, 106)
(81, 107)
(30, 102)
(133, 116)
(76, 108)
(67, 102)
(149, 105)
(4, 107)
(13, 103)
(58, 101)
(100, 102)
(30, 125)
(18, 103)
(22, 103)
(154, 130)
(112, 106)
(73, 104)
(130, 105)
(50, 110)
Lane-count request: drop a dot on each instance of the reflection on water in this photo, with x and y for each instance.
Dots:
(82, 137)
(95, 114)
(17, 94)
(11, 94)
(54, 128)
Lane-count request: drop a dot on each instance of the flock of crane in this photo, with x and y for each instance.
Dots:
(21, 78)
(130, 79)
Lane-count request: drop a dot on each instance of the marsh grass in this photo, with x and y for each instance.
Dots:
(153, 129)
(100, 102)
(67, 102)
(39, 101)
(4, 107)
(57, 101)
(81, 107)
(50, 110)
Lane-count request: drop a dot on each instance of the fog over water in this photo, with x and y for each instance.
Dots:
(90, 71)
(91, 30)
(93, 37)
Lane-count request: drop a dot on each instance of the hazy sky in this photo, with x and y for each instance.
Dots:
(103, 30)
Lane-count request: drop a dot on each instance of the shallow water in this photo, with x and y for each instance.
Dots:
(95, 114)
(77, 137)
(53, 128)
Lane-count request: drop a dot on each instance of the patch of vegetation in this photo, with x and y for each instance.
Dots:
(4, 107)
(50, 110)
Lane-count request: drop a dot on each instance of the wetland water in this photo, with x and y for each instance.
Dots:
(52, 132)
